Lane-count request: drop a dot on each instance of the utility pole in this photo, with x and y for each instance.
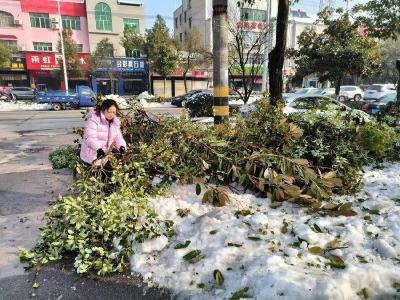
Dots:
(60, 27)
(220, 60)
(264, 83)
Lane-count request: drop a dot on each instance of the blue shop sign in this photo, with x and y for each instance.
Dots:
(129, 64)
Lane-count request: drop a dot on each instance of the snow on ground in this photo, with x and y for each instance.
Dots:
(22, 105)
(123, 103)
(252, 252)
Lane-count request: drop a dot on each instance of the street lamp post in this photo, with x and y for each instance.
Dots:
(60, 27)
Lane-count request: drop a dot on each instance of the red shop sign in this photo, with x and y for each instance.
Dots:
(248, 25)
(38, 61)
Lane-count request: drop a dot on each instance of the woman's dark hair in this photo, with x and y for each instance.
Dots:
(106, 104)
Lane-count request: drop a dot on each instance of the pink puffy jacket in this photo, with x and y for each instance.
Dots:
(99, 133)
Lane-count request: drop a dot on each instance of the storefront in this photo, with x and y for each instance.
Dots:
(122, 76)
(14, 75)
(41, 67)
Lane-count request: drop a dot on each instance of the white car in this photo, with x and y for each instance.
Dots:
(377, 91)
(347, 92)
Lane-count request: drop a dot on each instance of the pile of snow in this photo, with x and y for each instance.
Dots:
(146, 104)
(22, 105)
(252, 252)
(145, 95)
(122, 103)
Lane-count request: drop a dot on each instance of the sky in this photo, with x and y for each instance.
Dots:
(166, 8)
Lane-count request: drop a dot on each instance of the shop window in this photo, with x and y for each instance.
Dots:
(132, 24)
(6, 19)
(10, 44)
(71, 22)
(249, 14)
(103, 17)
(79, 48)
(39, 46)
(39, 20)
(132, 53)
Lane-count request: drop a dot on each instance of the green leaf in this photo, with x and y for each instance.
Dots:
(213, 231)
(182, 245)
(193, 256)
(242, 293)
(363, 294)
(337, 262)
(254, 238)
(329, 206)
(36, 285)
(285, 225)
(316, 250)
(317, 228)
(219, 278)
(198, 189)
(183, 212)
(234, 245)
(201, 285)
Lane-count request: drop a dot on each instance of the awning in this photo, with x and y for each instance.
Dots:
(8, 37)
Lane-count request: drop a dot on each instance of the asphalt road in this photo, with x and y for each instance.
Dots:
(58, 121)
(28, 184)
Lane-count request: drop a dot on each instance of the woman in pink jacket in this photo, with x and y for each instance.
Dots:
(102, 133)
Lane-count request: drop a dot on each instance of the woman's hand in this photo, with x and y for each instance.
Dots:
(100, 153)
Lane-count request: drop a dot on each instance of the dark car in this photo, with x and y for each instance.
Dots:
(374, 107)
(181, 100)
(21, 93)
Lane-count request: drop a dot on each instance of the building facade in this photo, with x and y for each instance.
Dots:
(251, 19)
(31, 29)
(108, 19)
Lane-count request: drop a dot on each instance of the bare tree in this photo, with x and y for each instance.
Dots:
(192, 53)
(246, 51)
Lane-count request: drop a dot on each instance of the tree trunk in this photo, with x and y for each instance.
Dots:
(165, 83)
(398, 82)
(277, 55)
(337, 87)
(185, 81)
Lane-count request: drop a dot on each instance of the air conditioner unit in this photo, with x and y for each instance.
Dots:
(17, 22)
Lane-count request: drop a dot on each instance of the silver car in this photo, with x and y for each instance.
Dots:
(377, 91)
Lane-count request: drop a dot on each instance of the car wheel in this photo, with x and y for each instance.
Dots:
(357, 97)
(13, 97)
(57, 106)
(341, 98)
(183, 103)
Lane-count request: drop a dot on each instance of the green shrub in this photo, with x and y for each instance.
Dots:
(377, 139)
(201, 106)
(303, 158)
(64, 157)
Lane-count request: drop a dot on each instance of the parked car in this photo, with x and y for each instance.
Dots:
(181, 100)
(350, 92)
(305, 102)
(347, 92)
(374, 107)
(21, 93)
(377, 91)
